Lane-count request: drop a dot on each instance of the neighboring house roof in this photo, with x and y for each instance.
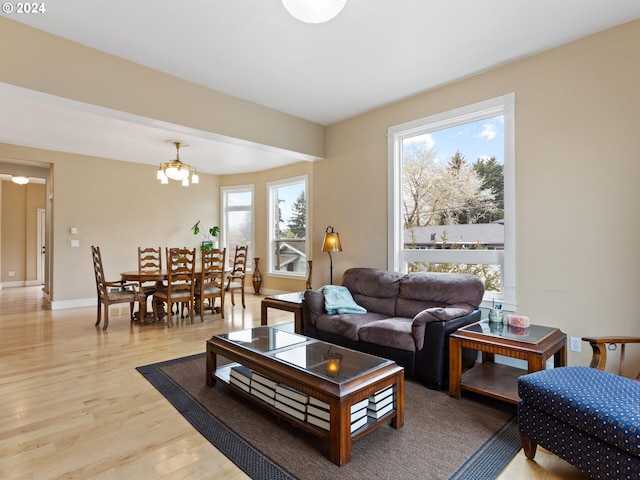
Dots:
(489, 234)
(289, 253)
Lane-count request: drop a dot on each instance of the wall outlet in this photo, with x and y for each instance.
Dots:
(12, 273)
(576, 344)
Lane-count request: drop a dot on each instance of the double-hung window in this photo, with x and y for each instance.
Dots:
(288, 213)
(237, 219)
(452, 195)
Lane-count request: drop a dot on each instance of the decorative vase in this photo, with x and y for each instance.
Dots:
(309, 277)
(257, 276)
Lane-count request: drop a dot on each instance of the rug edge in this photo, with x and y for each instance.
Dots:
(267, 468)
(500, 443)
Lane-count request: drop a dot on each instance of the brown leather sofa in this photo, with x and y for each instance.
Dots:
(409, 318)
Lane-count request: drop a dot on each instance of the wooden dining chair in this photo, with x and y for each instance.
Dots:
(149, 261)
(180, 282)
(210, 284)
(235, 280)
(110, 293)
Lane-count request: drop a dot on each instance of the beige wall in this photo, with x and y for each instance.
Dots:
(576, 174)
(19, 206)
(577, 171)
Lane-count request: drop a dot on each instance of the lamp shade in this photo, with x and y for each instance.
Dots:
(331, 241)
(314, 11)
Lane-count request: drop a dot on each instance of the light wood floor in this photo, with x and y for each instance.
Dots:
(73, 405)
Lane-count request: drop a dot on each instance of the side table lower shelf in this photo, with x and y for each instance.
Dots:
(494, 380)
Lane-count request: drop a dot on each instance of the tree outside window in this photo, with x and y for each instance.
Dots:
(288, 227)
(448, 194)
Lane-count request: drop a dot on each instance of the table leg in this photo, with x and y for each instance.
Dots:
(455, 367)
(340, 433)
(398, 420)
(560, 357)
(297, 321)
(263, 313)
(535, 363)
(211, 366)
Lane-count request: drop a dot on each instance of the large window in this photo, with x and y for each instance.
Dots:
(237, 219)
(452, 195)
(288, 215)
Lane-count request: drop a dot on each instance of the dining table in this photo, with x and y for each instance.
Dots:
(158, 276)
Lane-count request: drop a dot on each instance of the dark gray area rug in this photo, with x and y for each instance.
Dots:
(443, 438)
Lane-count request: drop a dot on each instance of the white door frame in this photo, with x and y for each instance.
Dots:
(40, 245)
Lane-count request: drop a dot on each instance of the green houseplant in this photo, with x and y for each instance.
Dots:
(207, 243)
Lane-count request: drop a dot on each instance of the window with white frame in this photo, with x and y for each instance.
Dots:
(237, 219)
(452, 195)
(288, 213)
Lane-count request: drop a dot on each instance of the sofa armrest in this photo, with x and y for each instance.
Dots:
(432, 362)
(312, 307)
(436, 314)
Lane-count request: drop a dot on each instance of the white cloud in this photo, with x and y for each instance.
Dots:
(488, 132)
(425, 138)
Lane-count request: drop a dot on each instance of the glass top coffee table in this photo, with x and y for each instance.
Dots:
(334, 393)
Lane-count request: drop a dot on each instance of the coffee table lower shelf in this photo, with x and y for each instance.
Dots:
(494, 380)
(223, 373)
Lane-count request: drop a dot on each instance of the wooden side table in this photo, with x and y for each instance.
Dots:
(535, 344)
(289, 302)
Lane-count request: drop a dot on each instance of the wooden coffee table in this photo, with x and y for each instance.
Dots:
(296, 361)
(534, 344)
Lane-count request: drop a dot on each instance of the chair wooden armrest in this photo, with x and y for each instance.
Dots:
(599, 346)
(122, 284)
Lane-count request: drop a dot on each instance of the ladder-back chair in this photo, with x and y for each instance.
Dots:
(211, 280)
(149, 262)
(180, 282)
(110, 293)
(236, 277)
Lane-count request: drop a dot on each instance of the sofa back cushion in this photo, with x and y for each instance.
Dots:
(376, 290)
(419, 291)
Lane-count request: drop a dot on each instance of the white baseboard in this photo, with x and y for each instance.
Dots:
(78, 303)
(21, 283)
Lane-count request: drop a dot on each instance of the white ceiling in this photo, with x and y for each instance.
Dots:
(374, 53)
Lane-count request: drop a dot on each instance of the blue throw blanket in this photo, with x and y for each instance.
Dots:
(339, 300)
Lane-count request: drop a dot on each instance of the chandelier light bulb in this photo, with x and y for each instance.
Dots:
(19, 179)
(314, 11)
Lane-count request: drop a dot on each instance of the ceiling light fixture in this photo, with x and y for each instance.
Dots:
(314, 11)
(176, 170)
(19, 179)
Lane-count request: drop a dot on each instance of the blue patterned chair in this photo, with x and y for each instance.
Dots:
(586, 416)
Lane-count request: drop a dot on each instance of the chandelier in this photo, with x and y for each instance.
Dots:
(314, 11)
(176, 170)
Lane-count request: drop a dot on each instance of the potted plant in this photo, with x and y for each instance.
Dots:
(207, 243)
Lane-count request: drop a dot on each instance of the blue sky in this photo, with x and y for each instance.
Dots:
(483, 138)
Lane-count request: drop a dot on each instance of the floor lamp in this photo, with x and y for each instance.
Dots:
(330, 244)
